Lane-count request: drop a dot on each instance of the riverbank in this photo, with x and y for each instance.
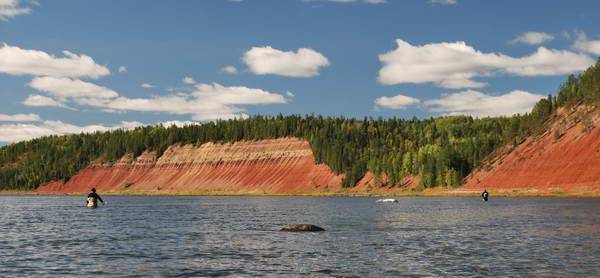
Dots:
(433, 192)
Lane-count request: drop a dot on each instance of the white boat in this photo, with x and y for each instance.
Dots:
(390, 200)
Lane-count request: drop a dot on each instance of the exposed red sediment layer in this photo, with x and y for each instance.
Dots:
(285, 165)
(566, 158)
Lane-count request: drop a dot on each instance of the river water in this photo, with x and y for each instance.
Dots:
(238, 237)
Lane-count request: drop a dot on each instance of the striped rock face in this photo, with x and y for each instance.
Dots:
(284, 165)
(565, 158)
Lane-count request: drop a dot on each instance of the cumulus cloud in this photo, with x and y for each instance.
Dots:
(444, 2)
(478, 104)
(19, 132)
(582, 43)
(39, 100)
(65, 128)
(469, 102)
(146, 85)
(179, 123)
(229, 69)
(122, 69)
(19, 118)
(453, 65)
(17, 61)
(533, 38)
(11, 8)
(305, 62)
(188, 80)
(206, 102)
(66, 88)
(235, 95)
(395, 102)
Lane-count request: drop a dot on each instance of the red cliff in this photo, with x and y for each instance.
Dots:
(285, 165)
(564, 159)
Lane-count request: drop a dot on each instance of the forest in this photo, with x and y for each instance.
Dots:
(441, 151)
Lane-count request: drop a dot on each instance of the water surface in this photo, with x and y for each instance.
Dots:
(238, 236)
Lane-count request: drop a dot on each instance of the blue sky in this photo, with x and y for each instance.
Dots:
(125, 61)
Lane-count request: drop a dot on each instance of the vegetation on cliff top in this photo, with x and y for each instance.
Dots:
(441, 151)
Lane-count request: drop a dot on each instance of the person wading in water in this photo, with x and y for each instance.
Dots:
(484, 195)
(92, 199)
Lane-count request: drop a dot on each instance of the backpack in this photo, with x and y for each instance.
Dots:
(91, 202)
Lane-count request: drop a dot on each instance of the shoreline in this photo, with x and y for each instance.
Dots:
(435, 192)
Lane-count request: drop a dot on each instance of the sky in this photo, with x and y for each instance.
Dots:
(71, 66)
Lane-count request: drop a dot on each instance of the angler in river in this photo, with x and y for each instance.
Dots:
(484, 195)
(92, 199)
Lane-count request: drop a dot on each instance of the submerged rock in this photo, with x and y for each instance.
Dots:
(302, 228)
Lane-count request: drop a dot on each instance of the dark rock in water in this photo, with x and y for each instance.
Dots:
(302, 228)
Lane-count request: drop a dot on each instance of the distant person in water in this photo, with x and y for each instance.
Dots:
(484, 195)
(92, 199)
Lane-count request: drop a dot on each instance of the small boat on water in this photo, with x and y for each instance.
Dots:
(389, 200)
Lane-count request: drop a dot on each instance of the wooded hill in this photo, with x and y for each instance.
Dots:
(442, 151)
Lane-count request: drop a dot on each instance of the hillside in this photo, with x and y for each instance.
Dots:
(441, 151)
(565, 158)
(276, 166)
(560, 154)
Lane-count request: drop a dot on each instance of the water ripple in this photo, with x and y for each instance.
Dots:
(183, 236)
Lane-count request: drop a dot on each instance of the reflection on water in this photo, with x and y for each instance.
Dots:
(238, 236)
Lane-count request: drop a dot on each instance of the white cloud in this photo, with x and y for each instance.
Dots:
(17, 61)
(188, 80)
(64, 128)
(206, 102)
(18, 132)
(395, 102)
(11, 8)
(479, 104)
(444, 2)
(212, 116)
(235, 95)
(229, 69)
(19, 118)
(267, 60)
(179, 123)
(38, 100)
(533, 38)
(146, 85)
(65, 88)
(582, 43)
(122, 69)
(453, 65)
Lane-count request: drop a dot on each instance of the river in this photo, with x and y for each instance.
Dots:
(142, 236)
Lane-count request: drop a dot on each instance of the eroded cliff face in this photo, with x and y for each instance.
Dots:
(285, 165)
(566, 158)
